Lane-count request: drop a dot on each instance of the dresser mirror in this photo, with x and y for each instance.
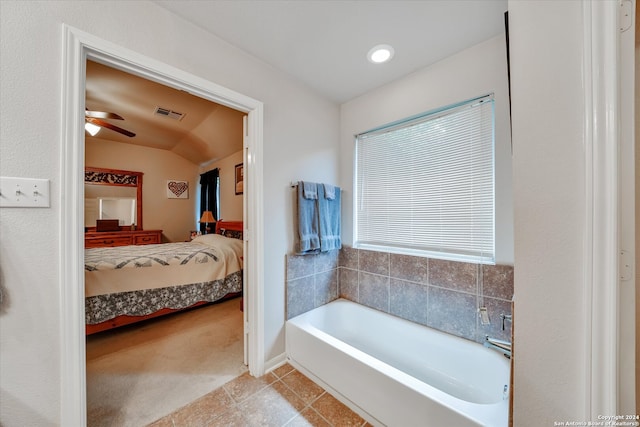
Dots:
(113, 194)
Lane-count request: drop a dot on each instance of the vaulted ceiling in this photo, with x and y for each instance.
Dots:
(206, 131)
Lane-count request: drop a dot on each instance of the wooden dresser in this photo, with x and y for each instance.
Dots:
(94, 239)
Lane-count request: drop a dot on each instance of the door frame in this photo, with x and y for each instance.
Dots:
(607, 135)
(78, 46)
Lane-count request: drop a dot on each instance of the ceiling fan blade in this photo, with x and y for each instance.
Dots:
(102, 115)
(109, 126)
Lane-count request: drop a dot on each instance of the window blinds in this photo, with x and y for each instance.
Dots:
(426, 186)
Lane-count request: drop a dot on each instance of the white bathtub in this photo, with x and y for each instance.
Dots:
(397, 373)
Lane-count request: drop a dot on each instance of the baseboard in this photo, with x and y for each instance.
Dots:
(274, 363)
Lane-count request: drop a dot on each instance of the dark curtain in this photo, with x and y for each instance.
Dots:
(209, 194)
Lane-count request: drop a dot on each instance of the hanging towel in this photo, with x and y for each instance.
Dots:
(310, 190)
(329, 218)
(308, 228)
(329, 191)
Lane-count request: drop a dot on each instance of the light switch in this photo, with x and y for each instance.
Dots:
(24, 192)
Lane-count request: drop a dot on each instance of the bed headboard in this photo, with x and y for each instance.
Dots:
(231, 229)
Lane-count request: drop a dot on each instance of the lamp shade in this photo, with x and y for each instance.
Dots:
(206, 217)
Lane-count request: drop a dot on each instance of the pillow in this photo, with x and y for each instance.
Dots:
(228, 247)
(209, 239)
(234, 234)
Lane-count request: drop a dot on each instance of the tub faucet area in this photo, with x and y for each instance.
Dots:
(505, 317)
(501, 346)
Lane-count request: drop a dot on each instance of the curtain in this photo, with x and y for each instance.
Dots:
(209, 194)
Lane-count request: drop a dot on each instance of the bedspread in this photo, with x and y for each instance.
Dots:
(139, 280)
(149, 256)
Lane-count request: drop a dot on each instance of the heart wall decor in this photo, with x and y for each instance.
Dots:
(177, 189)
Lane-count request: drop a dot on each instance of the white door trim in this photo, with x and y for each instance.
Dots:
(627, 226)
(77, 47)
(601, 83)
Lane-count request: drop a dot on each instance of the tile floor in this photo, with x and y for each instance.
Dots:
(283, 397)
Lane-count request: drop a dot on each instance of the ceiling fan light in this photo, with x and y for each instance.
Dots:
(380, 54)
(91, 128)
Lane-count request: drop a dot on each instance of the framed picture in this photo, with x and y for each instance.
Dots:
(239, 178)
(177, 189)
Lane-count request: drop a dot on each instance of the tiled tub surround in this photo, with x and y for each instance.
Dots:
(444, 295)
(312, 280)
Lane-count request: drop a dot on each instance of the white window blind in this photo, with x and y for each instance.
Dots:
(425, 186)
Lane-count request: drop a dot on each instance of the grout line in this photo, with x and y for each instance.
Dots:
(316, 411)
(320, 415)
(307, 405)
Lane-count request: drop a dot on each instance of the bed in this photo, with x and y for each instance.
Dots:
(128, 284)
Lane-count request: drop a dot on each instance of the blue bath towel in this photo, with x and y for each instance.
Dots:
(308, 228)
(329, 191)
(310, 190)
(329, 218)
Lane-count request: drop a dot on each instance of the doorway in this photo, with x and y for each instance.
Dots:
(79, 47)
(136, 374)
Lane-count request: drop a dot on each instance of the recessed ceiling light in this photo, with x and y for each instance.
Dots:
(380, 54)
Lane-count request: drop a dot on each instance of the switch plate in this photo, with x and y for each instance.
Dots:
(24, 192)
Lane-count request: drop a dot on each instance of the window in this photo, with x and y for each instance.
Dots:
(425, 185)
(209, 195)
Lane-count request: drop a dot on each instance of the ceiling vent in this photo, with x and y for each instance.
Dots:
(168, 113)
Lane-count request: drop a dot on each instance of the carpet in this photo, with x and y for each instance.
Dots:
(139, 373)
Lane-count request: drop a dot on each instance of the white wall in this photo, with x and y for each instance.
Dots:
(158, 166)
(549, 163)
(300, 142)
(476, 71)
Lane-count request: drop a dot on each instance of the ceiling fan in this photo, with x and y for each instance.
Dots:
(96, 118)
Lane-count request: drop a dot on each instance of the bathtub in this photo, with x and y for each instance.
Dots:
(397, 373)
